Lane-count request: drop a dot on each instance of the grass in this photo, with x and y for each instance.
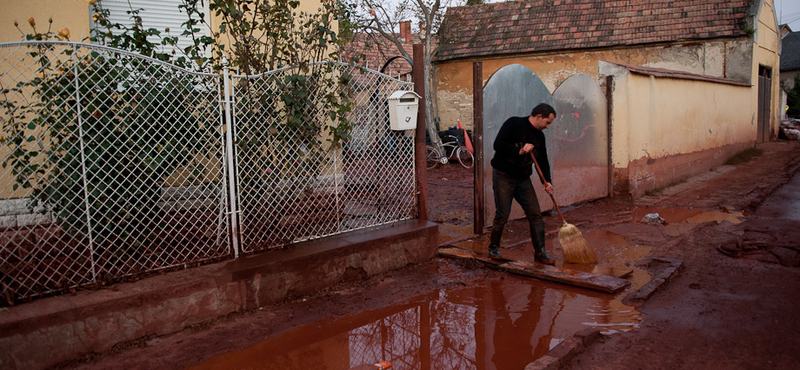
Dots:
(744, 156)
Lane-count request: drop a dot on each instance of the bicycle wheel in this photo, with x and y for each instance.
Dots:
(431, 157)
(465, 157)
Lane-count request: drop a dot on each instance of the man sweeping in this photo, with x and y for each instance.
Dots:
(511, 176)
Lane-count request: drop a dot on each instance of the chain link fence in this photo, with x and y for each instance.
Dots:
(292, 187)
(115, 165)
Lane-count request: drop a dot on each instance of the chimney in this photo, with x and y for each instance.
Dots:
(405, 32)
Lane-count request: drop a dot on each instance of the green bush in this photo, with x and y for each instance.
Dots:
(107, 128)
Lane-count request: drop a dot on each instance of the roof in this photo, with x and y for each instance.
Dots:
(790, 52)
(549, 25)
(668, 73)
(373, 51)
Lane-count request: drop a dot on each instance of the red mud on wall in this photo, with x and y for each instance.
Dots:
(646, 174)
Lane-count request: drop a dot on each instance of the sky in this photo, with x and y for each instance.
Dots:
(788, 11)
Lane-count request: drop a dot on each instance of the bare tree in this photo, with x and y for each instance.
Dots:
(373, 23)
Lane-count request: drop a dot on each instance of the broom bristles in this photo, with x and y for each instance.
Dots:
(575, 247)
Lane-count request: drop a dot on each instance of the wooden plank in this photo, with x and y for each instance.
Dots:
(588, 280)
(603, 283)
(477, 247)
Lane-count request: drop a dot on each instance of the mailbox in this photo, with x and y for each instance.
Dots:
(403, 107)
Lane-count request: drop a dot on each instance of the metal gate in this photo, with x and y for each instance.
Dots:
(577, 141)
(114, 165)
(291, 188)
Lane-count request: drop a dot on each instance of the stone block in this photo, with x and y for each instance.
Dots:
(588, 336)
(8, 221)
(545, 362)
(33, 219)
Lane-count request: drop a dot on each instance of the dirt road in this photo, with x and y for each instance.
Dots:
(736, 302)
(733, 305)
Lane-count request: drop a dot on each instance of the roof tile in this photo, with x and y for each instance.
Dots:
(547, 25)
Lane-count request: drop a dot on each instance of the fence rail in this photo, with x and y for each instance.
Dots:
(115, 165)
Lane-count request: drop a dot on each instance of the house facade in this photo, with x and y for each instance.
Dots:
(688, 83)
(77, 16)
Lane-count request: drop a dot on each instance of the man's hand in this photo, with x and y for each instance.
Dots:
(526, 149)
(548, 187)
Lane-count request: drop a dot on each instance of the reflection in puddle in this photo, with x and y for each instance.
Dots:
(680, 220)
(502, 323)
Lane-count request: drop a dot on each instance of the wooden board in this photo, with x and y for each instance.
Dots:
(476, 247)
(588, 280)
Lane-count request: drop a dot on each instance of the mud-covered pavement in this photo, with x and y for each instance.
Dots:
(733, 305)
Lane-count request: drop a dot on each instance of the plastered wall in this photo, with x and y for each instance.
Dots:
(73, 14)
(668, 129)
(657, 117)
(726, 58)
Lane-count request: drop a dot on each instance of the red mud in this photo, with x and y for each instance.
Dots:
(733, 305)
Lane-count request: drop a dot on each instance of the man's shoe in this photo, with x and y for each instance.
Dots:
(494, 251)
(544, 260)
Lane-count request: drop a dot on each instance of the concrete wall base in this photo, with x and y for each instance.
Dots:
(648, 174)
(42, 333)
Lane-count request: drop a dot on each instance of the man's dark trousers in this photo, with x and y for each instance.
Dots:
(507, 188)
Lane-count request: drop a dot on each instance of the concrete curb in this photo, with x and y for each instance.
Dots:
(665, 269)
(564, 352)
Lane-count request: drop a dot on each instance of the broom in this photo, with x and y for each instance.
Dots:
(575, 247)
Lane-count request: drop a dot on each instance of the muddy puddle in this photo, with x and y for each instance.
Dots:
(783, 203)
(681, 215)
(504, 322)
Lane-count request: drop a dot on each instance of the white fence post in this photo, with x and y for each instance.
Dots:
(233, 206)
(89, 225)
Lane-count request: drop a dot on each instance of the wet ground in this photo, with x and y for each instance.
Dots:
(733, 305)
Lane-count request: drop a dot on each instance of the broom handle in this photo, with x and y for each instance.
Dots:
(541, 177)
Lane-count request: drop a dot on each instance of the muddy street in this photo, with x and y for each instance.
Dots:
(733, 303)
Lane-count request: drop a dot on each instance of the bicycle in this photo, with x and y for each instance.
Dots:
(452, 148)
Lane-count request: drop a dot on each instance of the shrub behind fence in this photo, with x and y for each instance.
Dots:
(116, 165)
